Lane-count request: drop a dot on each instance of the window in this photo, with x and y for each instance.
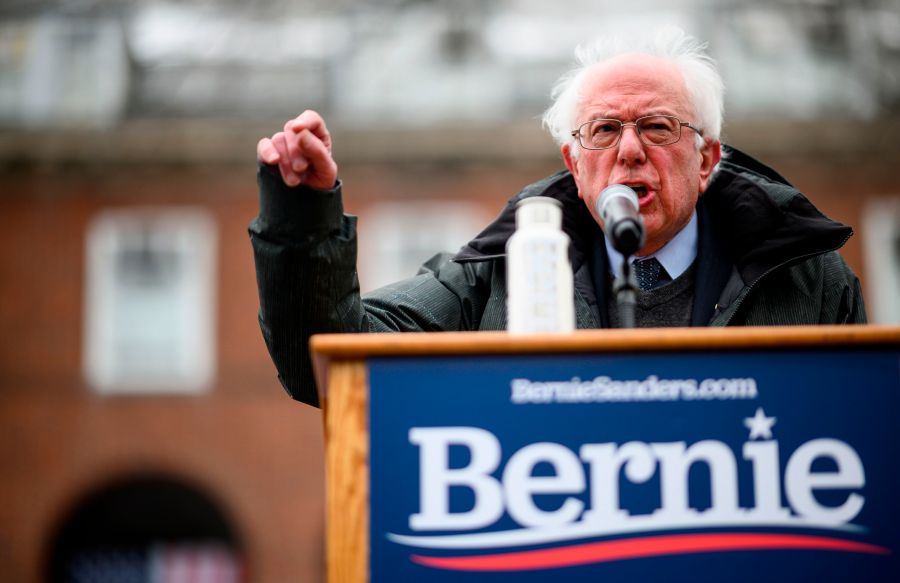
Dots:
(150, 302)
(881, 237)
(395, 238)
(71, 72)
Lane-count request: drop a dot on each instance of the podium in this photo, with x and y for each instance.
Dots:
(741, 454)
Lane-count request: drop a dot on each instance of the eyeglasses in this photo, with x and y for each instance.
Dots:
(653, 130)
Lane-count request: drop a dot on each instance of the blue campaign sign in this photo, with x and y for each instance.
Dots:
(768, 466)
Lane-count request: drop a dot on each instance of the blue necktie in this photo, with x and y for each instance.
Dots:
(647, 272)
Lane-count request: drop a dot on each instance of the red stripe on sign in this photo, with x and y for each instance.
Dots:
(637, 548)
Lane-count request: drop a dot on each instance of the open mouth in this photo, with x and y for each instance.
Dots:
(639, 189)
(644, 195)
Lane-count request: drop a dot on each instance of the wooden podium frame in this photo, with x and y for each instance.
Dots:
(341, 372)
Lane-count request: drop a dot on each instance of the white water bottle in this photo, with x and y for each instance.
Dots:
(538, 273)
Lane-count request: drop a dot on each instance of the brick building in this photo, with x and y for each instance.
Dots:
(216, 463)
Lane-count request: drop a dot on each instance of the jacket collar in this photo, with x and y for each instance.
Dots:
(578, 223)
(754, 213)
(763, 221)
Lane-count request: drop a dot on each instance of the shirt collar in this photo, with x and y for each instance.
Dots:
(675, 256)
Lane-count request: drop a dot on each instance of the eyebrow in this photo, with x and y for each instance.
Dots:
(612, 116)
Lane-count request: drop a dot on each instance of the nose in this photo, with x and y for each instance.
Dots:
(631, 148)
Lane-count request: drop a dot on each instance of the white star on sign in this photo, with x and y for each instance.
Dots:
(759, 425)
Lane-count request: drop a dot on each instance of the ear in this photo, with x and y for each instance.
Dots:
(710, 154)
(570, 160)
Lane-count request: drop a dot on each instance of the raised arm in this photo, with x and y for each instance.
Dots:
(305, 252)
(304, 248)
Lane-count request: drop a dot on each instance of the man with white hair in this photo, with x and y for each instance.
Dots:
(729, 241)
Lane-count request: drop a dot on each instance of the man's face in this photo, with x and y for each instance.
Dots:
(668, 179)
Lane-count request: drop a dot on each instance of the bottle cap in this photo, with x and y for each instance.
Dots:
(539, 211)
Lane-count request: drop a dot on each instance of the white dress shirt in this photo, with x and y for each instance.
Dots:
(675, 256)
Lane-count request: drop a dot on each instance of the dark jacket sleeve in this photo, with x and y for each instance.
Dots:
(304, 247)
(305, 253)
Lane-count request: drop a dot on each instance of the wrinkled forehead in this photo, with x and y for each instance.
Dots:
(632, 85)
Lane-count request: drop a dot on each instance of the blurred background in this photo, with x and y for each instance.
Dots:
(145, 436)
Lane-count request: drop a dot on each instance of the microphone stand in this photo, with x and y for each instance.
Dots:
(625, 290)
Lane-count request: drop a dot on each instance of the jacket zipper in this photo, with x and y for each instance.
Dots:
(479, 259)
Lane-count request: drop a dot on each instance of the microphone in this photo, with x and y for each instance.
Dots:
(619, 209)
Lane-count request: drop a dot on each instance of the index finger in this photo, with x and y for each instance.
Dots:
(266, 152)
(312, 121)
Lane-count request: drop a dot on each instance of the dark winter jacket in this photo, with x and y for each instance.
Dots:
(766, 256)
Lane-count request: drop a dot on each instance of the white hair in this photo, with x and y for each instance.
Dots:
(701, 77)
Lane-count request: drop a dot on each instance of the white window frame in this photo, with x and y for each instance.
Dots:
(184, 342)
(396, 237)
(881, 233)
